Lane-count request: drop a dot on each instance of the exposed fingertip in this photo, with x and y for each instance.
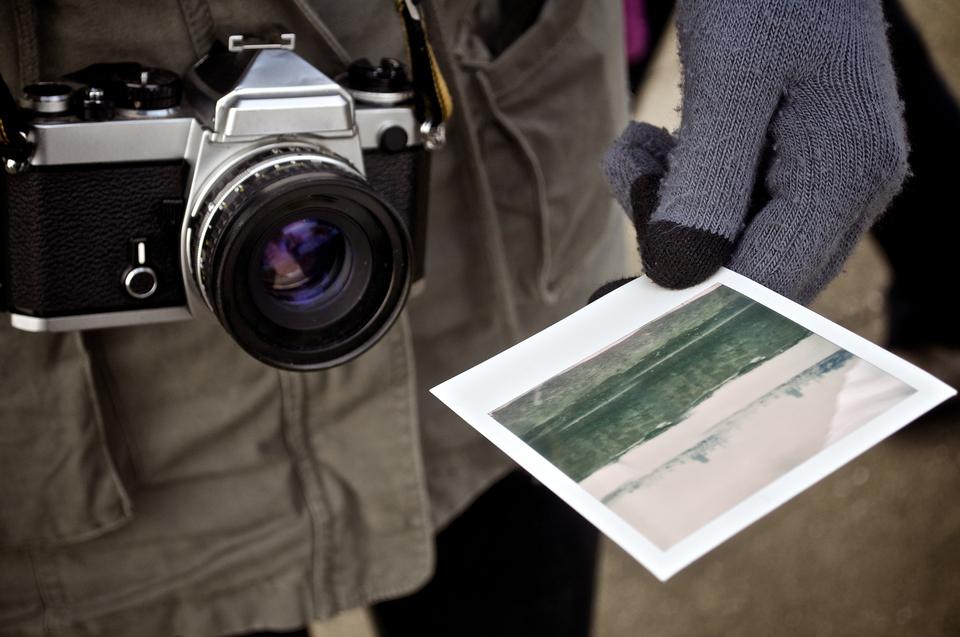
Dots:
(676, 256)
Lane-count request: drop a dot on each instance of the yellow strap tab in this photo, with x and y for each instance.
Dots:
(427, 77)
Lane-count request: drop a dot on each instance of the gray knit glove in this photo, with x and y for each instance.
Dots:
(791, 143)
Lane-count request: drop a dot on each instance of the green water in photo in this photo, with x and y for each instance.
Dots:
(590, 415)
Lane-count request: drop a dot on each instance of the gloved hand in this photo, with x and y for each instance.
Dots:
(790, 105)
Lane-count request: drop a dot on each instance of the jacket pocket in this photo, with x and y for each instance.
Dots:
(58, 481)
(547, 106)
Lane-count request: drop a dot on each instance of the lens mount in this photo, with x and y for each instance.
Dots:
(303, 263)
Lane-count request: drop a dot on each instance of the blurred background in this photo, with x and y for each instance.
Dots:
(874, 549)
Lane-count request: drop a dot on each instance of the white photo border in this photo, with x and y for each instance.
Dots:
(477, 392)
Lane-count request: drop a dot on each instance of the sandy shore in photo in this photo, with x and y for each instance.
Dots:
(867, 393)
(686, 483)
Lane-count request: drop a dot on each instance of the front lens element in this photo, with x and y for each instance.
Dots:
(302, 261)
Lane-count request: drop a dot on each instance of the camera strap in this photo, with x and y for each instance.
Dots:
(433, 103)
(15, 149)
(199, 22)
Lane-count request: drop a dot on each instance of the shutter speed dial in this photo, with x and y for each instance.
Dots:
(146, 89)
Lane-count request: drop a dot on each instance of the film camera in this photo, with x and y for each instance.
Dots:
(290, 205)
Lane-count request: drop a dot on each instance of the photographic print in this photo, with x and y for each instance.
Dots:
(693, 412)
(672, 419)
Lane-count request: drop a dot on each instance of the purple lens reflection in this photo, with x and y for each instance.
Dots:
(302, 261)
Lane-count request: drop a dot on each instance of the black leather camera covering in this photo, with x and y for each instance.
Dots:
(402, 178)
(70, 231)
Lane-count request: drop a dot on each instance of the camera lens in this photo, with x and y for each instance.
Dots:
(302, 262)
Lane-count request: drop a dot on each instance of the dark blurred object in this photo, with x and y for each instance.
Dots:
(607, 288)
(500, 23)
(644, 23)
(919, 231)
(519, 561)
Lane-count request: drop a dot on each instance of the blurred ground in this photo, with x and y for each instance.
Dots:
(938, 21)
(872, 550)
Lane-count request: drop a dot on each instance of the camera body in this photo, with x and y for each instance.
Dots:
(289, 204)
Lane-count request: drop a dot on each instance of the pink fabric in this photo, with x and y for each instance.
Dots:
(637, 30)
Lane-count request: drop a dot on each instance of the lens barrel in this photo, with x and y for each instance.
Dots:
(303, 263)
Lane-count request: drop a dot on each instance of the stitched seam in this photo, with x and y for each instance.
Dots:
(404, 370)
(41, 593)
(548, 293)
(121, 491)
(285, 424)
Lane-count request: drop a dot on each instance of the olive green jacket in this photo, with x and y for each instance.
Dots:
(158, 481)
